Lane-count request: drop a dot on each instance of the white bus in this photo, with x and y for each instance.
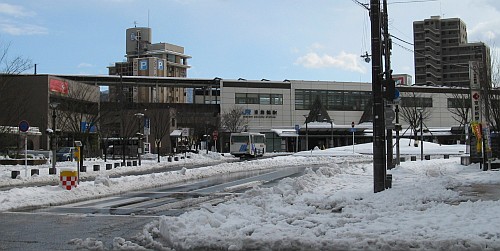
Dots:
(247, 144)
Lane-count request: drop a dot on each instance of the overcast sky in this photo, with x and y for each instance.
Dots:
(276, 40)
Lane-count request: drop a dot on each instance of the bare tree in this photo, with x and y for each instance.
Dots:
(12, 103)
(78, 113)
(412, 105)
(459, 105)
(160, 121)
(232, 120)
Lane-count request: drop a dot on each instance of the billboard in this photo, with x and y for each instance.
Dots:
(59, 86)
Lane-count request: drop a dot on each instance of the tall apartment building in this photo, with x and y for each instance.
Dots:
(147, 59)
(442, 53)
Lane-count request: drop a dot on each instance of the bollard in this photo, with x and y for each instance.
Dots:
(83, 169)
(35, 172)
(117, 164)
(388, 181)
(446, 156)
(427, 157)
(97, 167)
(413, 158)
(109, 166)
(14, 174)
(134, 163)
(69, 179)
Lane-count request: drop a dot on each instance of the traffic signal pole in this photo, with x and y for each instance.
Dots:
(379, 164)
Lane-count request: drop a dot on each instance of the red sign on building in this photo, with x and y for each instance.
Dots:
(56, 85)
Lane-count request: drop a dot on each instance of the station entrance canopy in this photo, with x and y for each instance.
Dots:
(143, 81)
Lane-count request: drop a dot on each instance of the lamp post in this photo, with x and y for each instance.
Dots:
(331, 133)
(139, 136)
(307, 133)
(206, 135)
(421, 134)
(53, 145)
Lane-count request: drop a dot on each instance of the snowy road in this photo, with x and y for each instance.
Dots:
(53, 228)
(176, 199)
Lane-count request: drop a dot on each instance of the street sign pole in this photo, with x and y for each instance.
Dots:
(353, 130)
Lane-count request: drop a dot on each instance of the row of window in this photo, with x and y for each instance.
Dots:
(333, 100)
(259, 98)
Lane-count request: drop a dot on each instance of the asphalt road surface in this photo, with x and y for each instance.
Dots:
(57, 228)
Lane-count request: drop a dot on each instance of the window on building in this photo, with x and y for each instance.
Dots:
(265, 99)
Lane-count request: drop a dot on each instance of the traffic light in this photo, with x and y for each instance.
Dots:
(352, 124)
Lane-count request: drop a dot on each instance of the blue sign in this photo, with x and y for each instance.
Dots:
(24, 126)
(396, 94)
(143, 65)
(297, 128)
(352, 129)
(87, 127)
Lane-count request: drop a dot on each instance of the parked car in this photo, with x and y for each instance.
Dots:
(66, 154)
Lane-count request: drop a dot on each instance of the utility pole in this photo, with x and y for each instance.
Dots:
(379, 165)
(389, 90)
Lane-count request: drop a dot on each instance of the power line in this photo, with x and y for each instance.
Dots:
(401, 40)
(364, 5)
(413, 1)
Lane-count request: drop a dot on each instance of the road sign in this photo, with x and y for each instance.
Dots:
(215, 134)
(24, 126)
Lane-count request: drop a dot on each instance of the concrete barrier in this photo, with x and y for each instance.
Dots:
(465, 160)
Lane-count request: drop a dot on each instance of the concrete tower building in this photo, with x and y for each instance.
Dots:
(143, 58)
(442, 53)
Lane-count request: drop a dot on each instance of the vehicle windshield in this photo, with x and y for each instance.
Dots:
(64, 150)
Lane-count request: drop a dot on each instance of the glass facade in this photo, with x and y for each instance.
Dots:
(258, 98)
(416, 102)
(333, 100)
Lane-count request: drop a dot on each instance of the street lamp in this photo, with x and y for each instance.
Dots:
(307, 133)
(331, 131)
(53, 145)
(139, 135)
(206, 135)
(421, 134)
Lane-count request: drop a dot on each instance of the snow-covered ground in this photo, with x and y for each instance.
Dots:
(331, 208)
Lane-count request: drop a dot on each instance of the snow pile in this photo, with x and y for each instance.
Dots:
(335, 207)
